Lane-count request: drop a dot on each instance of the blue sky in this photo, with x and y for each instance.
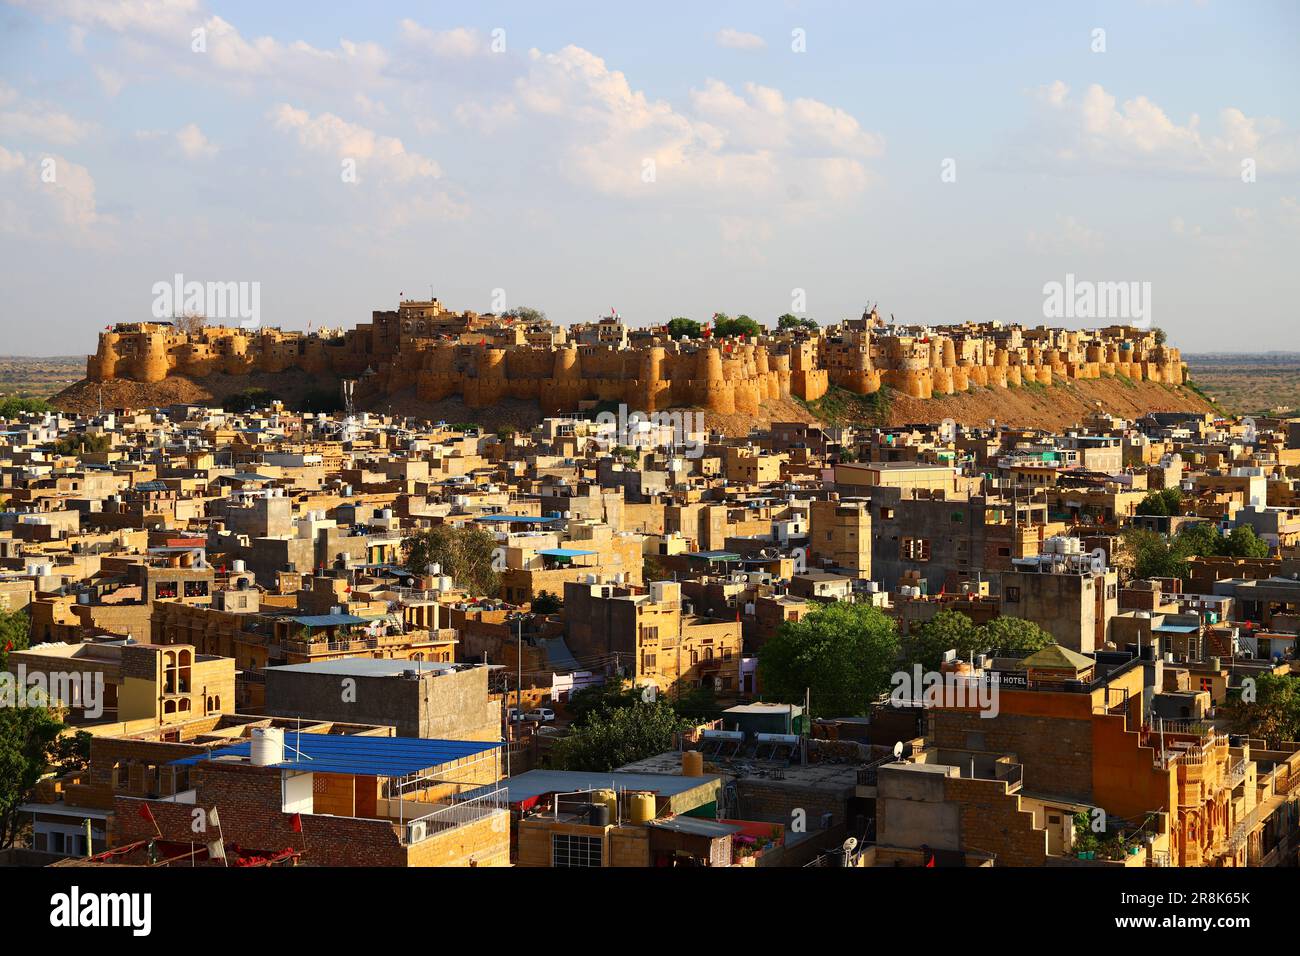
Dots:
(667, 159)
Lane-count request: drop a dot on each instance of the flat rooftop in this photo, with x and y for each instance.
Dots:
(360, 756)
(837, 778)
(368, 667)
(536, 783)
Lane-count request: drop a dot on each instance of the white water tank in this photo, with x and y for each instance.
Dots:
(237, 566)
(267, 747)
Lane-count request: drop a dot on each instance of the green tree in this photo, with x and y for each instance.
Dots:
(1242, 542)
(11, 406)
(248, 399)
(843, 654)
(682, 327)
(699, 703)
(600, 701)
(740, 325)
(525, 314)
(81, 444)
(15, 633)
(926, 643)
(620, 736)
(547, 603)
(1274, 714)
(72, 752)
(465, 553)
(1168, 501)
(27, 741)
(1153, 556)
(792, 321)
(1013, 636)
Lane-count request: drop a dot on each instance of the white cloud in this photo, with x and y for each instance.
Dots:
(193, 144)
(1068, 235)
(110, 81)
(46, 189)
(1093, 129)
(738, 40)
(160, 17)
(731, 147)
(328, 134)
(487, 118)
(37, 121)
(458, 42)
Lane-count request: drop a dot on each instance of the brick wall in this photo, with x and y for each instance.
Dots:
(1056, 753)
(992, 822)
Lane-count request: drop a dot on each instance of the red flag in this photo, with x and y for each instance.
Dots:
(147, 814)
(930, 864)
(296, 822)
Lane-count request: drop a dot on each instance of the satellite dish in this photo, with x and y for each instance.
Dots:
(898, 749)
(850, 844)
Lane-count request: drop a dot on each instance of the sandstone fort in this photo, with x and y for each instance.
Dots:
(486, 358)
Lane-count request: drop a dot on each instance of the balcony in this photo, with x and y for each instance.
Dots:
(492, 805)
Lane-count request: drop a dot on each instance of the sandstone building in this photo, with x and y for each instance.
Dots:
(485, 359)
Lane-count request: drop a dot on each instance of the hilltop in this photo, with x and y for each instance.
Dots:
(426, 361)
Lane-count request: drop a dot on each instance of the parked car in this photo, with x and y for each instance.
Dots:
(543, 714)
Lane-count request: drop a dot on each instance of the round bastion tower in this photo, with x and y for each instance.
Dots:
(745, 385)
(102, 366)
(489, 386)
(651, 385)
(563, 390)
(151, 357)
(711, 385)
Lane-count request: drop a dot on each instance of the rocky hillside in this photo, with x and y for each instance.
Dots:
(1053, 406)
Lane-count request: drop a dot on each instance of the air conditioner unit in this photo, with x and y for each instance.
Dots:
(415, 832)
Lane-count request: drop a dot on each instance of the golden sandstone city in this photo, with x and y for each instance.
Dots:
(890, 529)
(460, 620)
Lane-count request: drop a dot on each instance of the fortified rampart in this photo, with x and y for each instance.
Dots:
(440, 354)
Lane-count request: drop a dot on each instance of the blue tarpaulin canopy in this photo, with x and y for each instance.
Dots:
(364, 756)
(330, 620)
(516, 519)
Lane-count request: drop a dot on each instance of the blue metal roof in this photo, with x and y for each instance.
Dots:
(363, 756)
(715, 555)
(564, 553)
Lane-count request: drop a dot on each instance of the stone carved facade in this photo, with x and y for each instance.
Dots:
(485, 359)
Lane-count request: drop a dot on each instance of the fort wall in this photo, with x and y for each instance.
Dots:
(434, 353)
